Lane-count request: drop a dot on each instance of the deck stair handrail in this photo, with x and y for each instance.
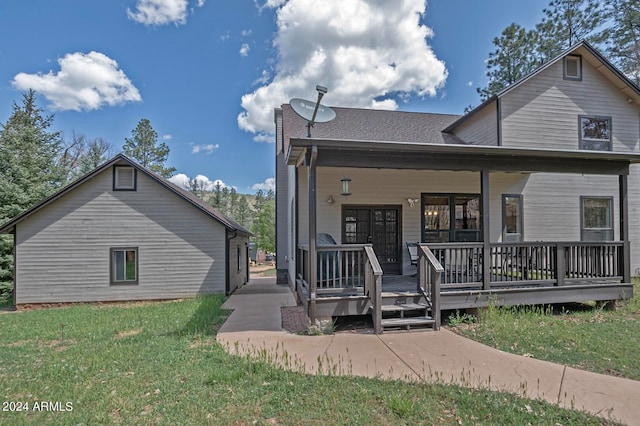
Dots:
(373, 286)
(429, 277)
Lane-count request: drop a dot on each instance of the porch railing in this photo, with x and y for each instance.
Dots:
(340, 268)
(529, 263)
(428, 280)
(373, 286)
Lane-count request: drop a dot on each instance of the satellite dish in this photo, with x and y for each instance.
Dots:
(306, 109)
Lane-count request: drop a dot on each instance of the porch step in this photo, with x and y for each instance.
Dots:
(401, 297)
(407, 323)
(404, 307)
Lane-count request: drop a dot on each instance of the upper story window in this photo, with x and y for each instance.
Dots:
(124, 178)
(572, 67)
(595, 133)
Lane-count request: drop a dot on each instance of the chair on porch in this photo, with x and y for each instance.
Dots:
(413, 253)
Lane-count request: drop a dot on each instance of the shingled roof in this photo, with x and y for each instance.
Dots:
(374, 125)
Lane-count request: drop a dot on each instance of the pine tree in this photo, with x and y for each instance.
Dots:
(567, 22)
(30, 170)
(624, 36)
(143, 147)
(510, 61)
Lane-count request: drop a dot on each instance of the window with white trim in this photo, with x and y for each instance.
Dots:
(596, 218)
(124, 265)
(572, 67)
(595, 133)
(124, 178)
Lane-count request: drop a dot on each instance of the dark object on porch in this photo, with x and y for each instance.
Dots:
(327, 260)
(413, 253)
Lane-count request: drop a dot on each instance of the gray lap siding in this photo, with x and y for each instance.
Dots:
(63, 250)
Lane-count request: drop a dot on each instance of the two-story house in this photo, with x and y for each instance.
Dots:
(528, 198)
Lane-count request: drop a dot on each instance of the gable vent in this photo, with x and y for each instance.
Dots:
(124, 178)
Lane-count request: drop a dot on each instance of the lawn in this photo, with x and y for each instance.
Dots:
(159, 363)
(583, 336)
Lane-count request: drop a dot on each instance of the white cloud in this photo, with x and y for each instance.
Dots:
(469, 83)
(246, 33)
(167, 137)
(364, 51)
(201, 181)
(269, 183)
(208, 149)
(85, 82)
(244, 50)
(161, 12)
(181, 180)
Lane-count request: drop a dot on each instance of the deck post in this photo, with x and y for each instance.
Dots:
(313, 250)
(624, 225)
(486, 235)
(561, 266)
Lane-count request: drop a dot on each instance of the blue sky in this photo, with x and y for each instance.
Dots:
(208, 73)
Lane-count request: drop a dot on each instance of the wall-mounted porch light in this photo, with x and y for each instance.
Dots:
(412, 201)
(330, 199)
(345, 186)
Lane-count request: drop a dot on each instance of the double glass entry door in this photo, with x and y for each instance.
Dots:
(379, 226)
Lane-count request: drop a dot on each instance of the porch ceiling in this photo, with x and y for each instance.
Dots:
(406, 155)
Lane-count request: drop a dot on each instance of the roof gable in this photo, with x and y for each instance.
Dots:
(588, 53)
(228, 223)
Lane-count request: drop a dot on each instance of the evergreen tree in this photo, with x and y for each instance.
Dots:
(510, 61)
(624, 36)
(233, 202)
(217, 195)
(244, 212)
(143, 147)
(30, 170)
(95, 153)
(29, 158)
(566, 22)
(518, 51)
(264, 228)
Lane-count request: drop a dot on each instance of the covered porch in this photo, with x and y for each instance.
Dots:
(345, 279)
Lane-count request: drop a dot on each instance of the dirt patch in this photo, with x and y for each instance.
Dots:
(127, 333)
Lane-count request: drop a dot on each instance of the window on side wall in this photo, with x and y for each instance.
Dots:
(596, 218)
(595, 133)
(512, 218)
(124, 178)
(124, 265)
(239, 257)
(572, 67)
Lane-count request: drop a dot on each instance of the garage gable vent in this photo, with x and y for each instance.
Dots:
(124, 178)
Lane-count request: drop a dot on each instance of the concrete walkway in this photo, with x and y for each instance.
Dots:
(255, 328)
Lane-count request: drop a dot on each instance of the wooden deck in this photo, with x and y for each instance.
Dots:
(348, 279)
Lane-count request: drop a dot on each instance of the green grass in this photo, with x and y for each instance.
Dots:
(591, 338)
(159, 363)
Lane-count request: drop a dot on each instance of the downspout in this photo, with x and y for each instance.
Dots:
(227, 283)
